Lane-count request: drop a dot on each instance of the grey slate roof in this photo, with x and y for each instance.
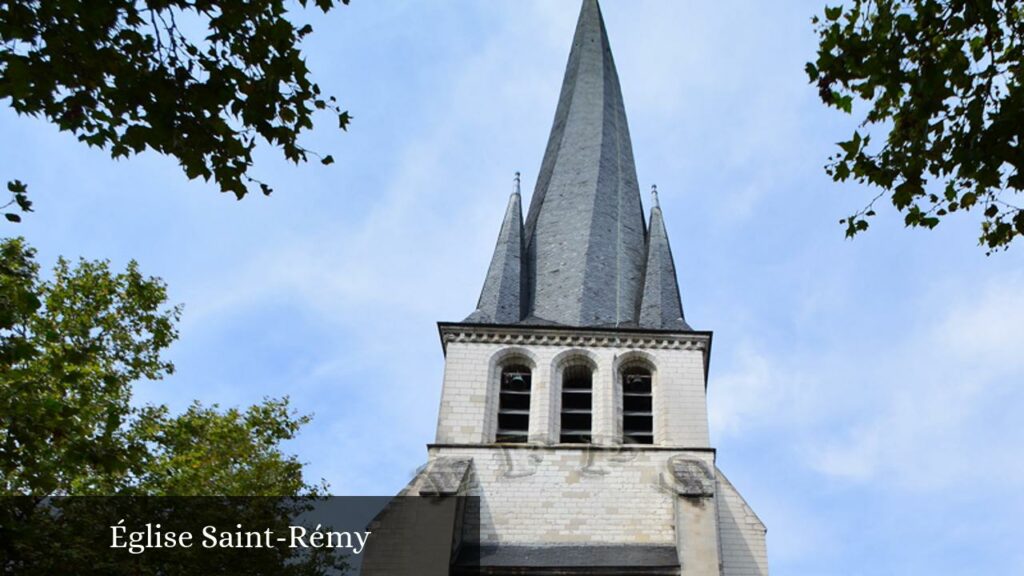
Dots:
(585, 246)
(661, 305)
(501, 299)
(585, 228)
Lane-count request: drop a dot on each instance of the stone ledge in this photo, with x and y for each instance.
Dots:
(577, 447)
(582, 337)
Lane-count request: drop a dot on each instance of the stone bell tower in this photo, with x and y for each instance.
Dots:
(574, 400)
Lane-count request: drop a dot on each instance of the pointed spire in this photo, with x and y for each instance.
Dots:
(585, 228)
(661, 306)
(584, 257)
(501, 298)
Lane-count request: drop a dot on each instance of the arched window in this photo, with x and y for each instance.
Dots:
(514, 404)
(577, 404)
(637, 408)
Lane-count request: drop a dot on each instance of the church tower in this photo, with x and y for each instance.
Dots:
(574, 401)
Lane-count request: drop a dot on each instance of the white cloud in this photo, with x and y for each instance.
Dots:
(753, 394)
(932, 405)
(985, 329)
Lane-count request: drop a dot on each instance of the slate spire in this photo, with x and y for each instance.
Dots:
(501, 298)
(661, 306)
(584, 257)
(585, 227)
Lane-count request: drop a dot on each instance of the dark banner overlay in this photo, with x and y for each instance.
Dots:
(143, 536)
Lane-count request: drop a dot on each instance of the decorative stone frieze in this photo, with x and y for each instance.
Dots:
(691, 477)
(516, 336)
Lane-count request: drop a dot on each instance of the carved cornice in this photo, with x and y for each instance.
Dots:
(573, 337)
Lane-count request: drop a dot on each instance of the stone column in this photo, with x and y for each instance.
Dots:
(696, 516)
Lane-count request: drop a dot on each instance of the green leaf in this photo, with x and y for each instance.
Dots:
(23, 202)
(12, 217)
(978, 47)
(842, 102)
(326, 160)
(905, 193)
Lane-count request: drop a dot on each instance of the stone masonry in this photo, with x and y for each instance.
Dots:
(581, 304)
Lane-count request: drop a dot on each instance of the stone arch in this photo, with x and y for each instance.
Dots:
(513, 353)
(569, 360)
(636, 357)
(499, 360)
(627, 361)
(573, 356)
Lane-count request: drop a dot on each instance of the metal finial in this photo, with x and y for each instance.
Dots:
(515, 189)
(654, 195)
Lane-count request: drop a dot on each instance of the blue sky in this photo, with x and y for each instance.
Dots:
(866, 396)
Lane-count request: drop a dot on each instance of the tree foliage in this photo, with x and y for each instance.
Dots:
(940, 81)
(234, 452)
(199, 80)
(71, 349)
(19, 199)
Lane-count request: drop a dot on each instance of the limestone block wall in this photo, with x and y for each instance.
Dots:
(742, 534)
(549, 496)
(469, 400)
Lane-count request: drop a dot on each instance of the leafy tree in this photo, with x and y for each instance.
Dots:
(234, 452)
(940, 81)
(70, 350)
(199, 80)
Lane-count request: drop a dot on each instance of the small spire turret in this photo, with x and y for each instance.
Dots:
(501, 298)
(661, 306)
